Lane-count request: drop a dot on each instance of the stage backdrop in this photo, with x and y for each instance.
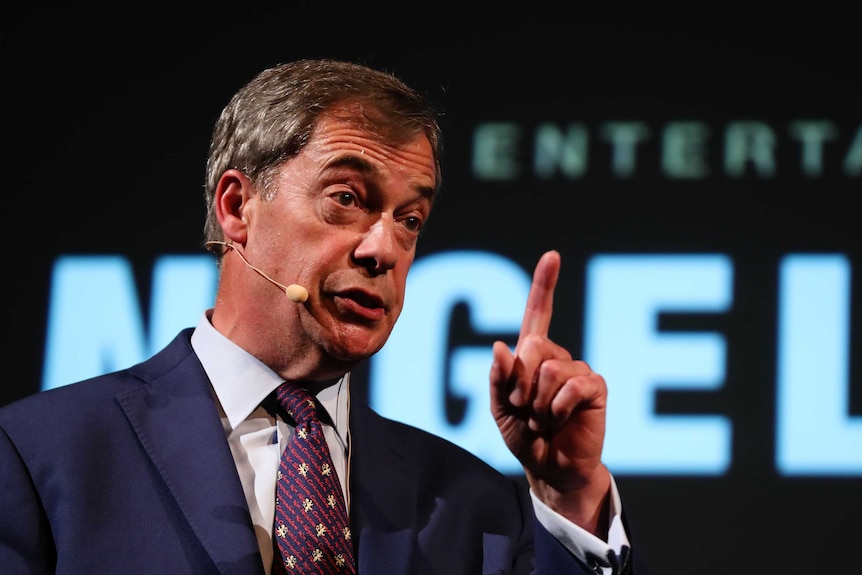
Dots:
(700, 179)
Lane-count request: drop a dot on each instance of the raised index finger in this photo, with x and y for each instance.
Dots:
(540, 301)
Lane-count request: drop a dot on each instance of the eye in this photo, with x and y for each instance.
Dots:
(346, 198)
(413, 223)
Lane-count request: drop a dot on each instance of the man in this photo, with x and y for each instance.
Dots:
(320, 177)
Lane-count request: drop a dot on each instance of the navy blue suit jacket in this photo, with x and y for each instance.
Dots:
(130, 472)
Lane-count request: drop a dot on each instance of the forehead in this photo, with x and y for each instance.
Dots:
(342, 141)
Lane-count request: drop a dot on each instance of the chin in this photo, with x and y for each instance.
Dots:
(350, 342)
(355, 349)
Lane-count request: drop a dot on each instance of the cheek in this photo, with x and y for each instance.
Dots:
(402, 270)
(400, 287)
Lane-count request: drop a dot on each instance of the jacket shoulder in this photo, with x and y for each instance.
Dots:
(68, 400)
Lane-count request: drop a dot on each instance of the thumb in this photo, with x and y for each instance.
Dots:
(501, 368)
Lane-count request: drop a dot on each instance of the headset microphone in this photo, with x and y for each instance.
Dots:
(294, 292)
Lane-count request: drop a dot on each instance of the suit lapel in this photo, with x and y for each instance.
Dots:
(177, 423)
(384, 486)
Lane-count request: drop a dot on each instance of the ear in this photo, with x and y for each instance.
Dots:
(233, 195)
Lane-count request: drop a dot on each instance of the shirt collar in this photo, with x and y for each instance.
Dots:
(241, 381)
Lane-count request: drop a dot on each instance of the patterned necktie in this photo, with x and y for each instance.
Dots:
(311, 533)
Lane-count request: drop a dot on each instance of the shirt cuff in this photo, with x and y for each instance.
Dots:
(580, 542)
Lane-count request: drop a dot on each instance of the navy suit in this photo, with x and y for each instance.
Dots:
(130, 472)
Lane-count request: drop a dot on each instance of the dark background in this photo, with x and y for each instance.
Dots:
(108, 109)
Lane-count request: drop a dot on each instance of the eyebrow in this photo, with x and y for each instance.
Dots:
(362, 165)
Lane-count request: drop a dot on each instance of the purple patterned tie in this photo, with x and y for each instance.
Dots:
(311, 533)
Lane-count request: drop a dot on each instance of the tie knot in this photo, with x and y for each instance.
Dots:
(297, 402)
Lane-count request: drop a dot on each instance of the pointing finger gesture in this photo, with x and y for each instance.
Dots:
(550, 408)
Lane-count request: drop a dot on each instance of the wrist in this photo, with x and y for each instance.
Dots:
(585, 503)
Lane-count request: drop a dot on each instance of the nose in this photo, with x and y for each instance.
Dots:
(378, 249)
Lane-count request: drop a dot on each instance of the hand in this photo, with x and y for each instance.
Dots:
(550, 410)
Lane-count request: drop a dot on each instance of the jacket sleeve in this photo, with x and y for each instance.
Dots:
(552, 557)
(26, 544)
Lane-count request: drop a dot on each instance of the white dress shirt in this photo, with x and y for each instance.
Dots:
(256, 438)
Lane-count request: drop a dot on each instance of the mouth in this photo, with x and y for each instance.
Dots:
(360, 303)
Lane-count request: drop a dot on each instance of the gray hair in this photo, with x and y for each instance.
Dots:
(271, 119)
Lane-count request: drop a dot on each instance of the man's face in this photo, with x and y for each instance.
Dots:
(344, 224)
